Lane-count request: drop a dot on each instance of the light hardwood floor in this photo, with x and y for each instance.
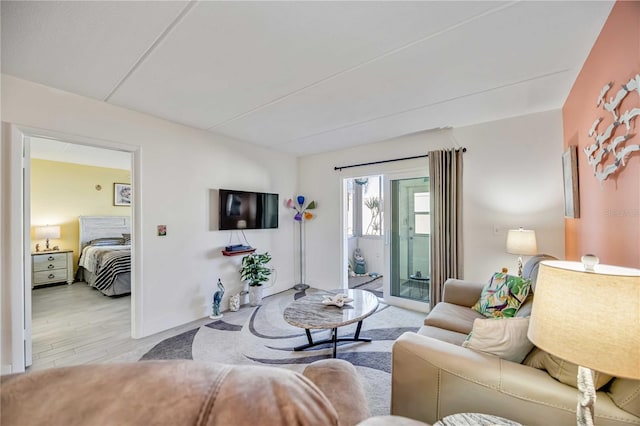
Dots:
(75, 324)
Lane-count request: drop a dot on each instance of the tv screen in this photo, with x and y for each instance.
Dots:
(247, 210)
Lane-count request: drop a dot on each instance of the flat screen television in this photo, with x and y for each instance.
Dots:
(247, 210)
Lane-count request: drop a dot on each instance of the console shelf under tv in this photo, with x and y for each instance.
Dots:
(237, 252)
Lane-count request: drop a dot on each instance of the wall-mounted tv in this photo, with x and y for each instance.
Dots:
(247, 210)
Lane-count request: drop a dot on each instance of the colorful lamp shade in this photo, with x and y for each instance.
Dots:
(302, 211)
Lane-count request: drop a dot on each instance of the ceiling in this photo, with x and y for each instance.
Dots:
(307, 77)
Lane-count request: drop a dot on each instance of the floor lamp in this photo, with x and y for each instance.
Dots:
(301, 216)
(587, 314)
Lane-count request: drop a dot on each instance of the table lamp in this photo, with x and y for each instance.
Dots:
(521, 242)
(588, 314)
(47, 232)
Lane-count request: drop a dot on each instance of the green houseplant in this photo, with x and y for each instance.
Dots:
(255, 271)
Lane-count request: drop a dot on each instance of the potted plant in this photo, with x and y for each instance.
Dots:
(255, 272)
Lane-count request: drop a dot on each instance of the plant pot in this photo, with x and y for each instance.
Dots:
(255, 295)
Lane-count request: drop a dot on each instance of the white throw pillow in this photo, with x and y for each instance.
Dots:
(506, 338)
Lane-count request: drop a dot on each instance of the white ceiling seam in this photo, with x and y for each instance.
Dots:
(151, 48)
(363, 64)
(307, 77)
(429, 105)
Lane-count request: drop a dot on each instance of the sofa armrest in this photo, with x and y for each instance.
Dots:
(461, 292)
(338, 380)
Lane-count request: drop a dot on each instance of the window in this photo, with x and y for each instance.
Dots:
(370, 206)
(421, 202)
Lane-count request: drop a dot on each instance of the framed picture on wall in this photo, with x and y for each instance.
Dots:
(122, 194)
(570, 175)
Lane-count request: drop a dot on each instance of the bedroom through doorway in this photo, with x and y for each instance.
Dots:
(80, 199)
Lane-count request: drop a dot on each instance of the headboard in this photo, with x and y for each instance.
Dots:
(92, 227)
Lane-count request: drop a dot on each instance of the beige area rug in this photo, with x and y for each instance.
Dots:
(260, 336)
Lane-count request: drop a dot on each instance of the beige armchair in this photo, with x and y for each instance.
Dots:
(434, 376)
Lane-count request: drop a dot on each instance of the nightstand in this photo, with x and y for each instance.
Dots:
(51, 267)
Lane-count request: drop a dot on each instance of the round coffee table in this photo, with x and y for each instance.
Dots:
(309, 312)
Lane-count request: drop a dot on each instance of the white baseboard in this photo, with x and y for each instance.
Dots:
(6, 369)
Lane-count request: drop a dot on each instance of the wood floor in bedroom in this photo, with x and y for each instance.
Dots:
(76, 324)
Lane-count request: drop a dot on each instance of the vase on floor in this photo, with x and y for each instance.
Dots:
(255, 295)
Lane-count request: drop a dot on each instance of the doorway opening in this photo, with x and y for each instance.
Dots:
(72, 186)
(363, 235)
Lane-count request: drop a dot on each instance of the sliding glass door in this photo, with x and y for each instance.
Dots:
(410, 235)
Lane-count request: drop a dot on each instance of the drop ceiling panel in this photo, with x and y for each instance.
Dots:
(470, 59)
(227, 58)
(506, 102)
(81, 47)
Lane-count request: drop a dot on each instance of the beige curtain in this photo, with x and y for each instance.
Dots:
(445, 177)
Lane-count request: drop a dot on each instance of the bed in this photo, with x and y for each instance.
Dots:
(105, 253)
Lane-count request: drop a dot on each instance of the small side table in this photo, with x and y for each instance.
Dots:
(421, 282)
(49, 267)
(474, 419)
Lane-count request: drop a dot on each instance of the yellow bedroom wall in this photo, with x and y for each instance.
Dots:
(60, 192)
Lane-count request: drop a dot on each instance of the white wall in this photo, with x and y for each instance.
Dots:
(512, 177)
(178, 167)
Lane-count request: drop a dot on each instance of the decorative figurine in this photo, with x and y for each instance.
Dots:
(234, 303)
(37, 247)
(217, 298)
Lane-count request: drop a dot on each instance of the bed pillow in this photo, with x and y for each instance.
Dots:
(110, 241)
(503, 295)
(126, 238)
(506, 338)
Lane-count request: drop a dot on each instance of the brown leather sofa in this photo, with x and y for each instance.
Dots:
(184, 393)
(434, 376)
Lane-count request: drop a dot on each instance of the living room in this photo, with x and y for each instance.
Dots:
(512, 177)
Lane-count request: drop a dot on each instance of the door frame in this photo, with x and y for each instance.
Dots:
(17, 239)
(388, 215)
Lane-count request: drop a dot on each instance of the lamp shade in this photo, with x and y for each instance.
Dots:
(522, 241)
(47, 232)
(588, 318)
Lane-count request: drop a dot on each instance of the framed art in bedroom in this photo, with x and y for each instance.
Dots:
(122, 194)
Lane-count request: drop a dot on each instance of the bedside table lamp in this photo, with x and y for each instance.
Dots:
(589, 318)
(521, 242)
(47, 232)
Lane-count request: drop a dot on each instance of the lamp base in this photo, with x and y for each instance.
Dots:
(520, 266)
(587, 399)
(300, 287)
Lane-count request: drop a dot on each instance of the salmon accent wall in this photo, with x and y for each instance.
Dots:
(609, 223)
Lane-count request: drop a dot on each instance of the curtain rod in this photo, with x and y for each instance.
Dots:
(339, 168)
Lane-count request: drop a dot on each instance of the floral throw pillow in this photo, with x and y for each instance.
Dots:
(503, 296)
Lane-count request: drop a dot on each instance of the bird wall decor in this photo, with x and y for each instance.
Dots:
(606, 155)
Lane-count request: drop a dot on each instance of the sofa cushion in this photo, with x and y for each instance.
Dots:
(452, 317)
(443, 335)
(625, 393)
(506, 338)
(503, 295)
(561, 370)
